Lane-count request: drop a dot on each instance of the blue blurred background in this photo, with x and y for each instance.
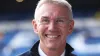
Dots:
(17, 34)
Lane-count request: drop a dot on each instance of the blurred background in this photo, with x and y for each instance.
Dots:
(17, 34)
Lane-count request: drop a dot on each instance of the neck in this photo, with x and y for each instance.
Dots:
(53, 51)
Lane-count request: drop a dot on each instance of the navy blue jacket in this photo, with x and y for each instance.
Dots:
(34, 50)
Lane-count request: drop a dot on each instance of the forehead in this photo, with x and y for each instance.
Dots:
(53, 10)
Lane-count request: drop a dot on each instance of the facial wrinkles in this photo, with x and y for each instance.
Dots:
(55, 13)
(53, 10)
(52, 17)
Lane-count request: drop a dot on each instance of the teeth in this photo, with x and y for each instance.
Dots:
(51, 36)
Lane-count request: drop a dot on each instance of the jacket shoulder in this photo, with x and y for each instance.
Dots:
(72, 54)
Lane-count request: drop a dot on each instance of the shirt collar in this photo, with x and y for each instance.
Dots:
(41, 53)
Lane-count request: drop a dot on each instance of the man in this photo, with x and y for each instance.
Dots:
(53, 23)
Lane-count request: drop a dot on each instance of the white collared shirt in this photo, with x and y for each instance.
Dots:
(41, 53)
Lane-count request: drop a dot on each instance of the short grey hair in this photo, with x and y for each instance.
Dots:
(59, 2)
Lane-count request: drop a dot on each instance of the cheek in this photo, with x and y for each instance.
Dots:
(41, 29)
(64, 29)
(41, 32)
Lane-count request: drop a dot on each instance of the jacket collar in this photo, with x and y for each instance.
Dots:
(34, 49)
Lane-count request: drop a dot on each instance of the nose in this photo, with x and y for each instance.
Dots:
(52, 26)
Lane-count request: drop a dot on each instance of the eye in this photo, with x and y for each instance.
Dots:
(45, 20)
(60, 21)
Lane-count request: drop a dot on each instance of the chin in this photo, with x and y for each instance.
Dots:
(52, 46)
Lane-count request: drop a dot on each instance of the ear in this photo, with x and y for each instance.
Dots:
(71, 26)
(34, 24)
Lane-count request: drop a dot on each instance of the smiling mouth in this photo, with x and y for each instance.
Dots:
(52, 36)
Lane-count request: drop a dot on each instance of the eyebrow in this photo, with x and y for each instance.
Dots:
(59, 17)
(44, 17)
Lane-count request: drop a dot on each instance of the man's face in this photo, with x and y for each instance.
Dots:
(53, 25)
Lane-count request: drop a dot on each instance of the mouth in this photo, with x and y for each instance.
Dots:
(52, 36)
